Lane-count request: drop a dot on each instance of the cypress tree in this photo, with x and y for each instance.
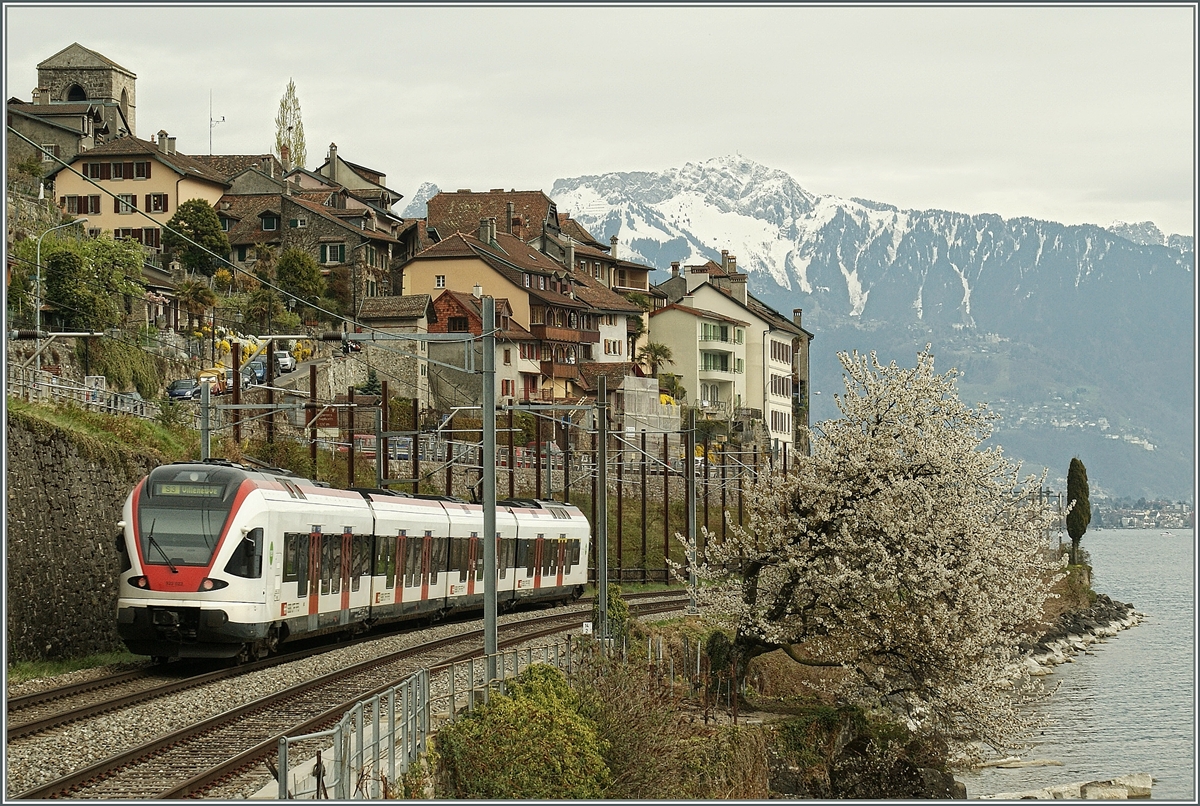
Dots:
(1081, 514)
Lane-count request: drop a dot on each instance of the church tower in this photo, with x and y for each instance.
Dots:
(78, 75)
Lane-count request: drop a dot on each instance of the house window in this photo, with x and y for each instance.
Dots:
(98, 170)
(117, 171)
(507, 356)
(125, 203)
(151, 236)
(457, 324)
(333, 253)
(439, 281)
(508, 387)
(226, 224)
(156, 202)
(270, 223)
(529, 351)
(70, 204)
(542, 282)
(141, 170)
(49, 152)
(298, 223)
(241, 254)
(527, 279)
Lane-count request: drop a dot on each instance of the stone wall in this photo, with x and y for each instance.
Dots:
(64, 497)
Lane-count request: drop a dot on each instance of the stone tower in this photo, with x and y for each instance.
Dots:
(78, 75)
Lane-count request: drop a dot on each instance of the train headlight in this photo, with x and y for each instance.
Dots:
(210, 584)
(140, 582)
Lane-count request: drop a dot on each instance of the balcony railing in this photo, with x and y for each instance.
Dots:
(554, 333)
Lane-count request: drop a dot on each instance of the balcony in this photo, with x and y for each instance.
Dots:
(554, 369)
(552, 333)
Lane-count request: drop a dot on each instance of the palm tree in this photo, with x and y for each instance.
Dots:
(263, 304)
(196, 297)
(655, 355)
(671, 384)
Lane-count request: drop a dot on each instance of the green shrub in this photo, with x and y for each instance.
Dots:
(544, 685)
(618, 614)
(519, 748)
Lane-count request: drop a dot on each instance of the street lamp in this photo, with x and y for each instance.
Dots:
(37, 307)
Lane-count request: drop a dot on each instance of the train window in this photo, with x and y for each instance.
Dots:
(360, 559)
(295, 561)
(438, 558)
(385, 560)
(574, 552)
(247, 556)
(458, 558)
(331, 564)
(508, 556)
(412, 562)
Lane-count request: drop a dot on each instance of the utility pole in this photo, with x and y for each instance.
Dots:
(490, 642)
(689, 461)
(601, 524)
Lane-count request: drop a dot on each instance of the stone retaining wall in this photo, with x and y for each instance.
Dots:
(64, 498)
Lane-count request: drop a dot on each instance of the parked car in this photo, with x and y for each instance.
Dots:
(284, 361)
(259, 368)
(183, 389)
(247, 378)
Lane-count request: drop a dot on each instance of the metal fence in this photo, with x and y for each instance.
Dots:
(92, 395)
(377, 740)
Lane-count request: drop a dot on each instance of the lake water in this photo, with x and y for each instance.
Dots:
(1131, 706)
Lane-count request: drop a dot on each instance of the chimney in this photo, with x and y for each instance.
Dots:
(517, 226)
(483, 230)
(333, 167)
(162, 141)
(270, 166)
(797, 313)
(285, 156)
(41, 95)
(509, 217)
(732, 265)
(170, 145)
(612, 252)
(725, 259)
(491, 230)
(737, 287)
(674, 268)
(569, 258)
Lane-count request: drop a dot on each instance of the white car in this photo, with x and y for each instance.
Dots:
(285, 361)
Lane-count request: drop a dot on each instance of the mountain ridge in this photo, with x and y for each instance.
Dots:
(1120, 298)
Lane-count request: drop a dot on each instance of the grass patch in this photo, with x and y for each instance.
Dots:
(33, 670)
(108, 431)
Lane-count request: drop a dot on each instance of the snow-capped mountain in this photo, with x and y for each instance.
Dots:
(1031, 310)
(417, 205)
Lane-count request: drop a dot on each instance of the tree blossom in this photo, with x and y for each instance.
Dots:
(900, 552)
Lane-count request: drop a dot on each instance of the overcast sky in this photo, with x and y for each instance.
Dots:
(1068, 114)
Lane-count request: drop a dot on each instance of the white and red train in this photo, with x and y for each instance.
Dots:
(224, 561)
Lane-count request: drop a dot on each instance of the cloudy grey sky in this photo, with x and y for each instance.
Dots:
(1069, 114)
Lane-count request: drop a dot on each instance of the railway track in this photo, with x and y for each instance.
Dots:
(33, 713)
(186, 762)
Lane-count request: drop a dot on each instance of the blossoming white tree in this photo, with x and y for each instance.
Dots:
(901, 552)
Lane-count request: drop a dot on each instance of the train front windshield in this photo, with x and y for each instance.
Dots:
(182, 512)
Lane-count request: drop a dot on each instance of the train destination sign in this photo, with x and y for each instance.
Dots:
(190, 488)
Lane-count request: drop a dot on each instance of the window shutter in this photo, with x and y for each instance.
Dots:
(116, 204)
(324, 253)
(62, 201)
(56, 151)
(166, 202)
(105, 170)
(133, 200)
(149, 206)
(149, 165)
(128, 172)
(137, 235)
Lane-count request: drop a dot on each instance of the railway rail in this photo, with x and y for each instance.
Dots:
(186, 762)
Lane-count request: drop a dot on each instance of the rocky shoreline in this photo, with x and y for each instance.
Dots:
(1075, 632)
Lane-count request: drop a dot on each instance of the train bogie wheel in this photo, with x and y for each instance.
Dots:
(160, 660)
(271, 642)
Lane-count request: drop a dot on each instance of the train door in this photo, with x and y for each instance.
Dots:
(474, 561)
(344, 602)
(426, 563)
(539, 546)
(314, 575)
(401, 555)
(561, 552)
